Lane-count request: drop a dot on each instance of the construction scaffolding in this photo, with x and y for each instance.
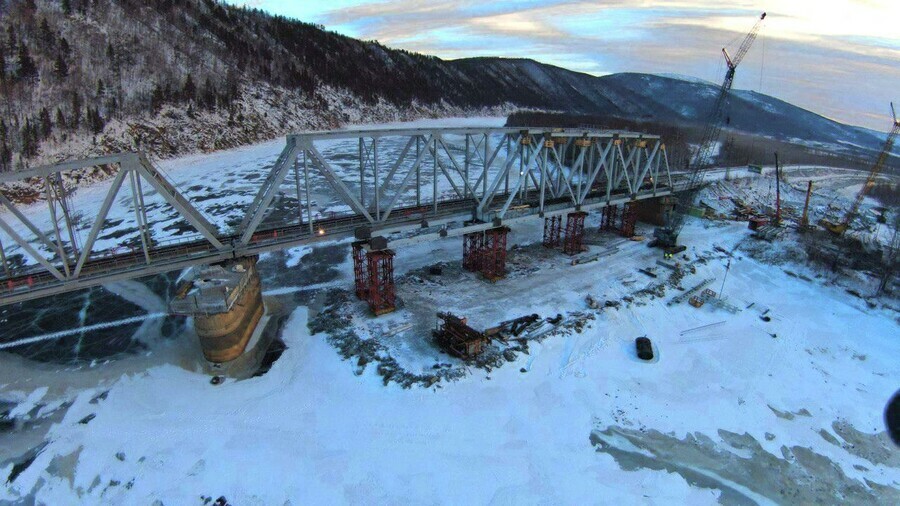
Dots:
(574, 233)
(382, 297)
(553, 231)
(609, 218)
(493, 254)
(360, 273)
(473, 244)
(629, 219)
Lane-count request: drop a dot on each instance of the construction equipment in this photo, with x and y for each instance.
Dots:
(838, 229)
(458, 338)
(667, 235)
(777, 221)
(804, 221)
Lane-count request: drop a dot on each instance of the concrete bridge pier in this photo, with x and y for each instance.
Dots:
(226, 303)
(655, 211)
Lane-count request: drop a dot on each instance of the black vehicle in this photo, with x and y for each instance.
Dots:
(644, 348)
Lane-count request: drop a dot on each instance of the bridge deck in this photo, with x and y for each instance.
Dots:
(556, 172)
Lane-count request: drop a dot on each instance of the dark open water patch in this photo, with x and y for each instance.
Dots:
(82, 309)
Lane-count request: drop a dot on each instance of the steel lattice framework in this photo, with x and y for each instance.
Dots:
(447, 181)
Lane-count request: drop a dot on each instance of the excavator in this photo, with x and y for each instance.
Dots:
(839, 228)
(666, 237)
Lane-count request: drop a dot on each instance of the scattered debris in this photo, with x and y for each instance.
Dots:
(648, 272)
(398, 329)
(678, 299)
(702, 327)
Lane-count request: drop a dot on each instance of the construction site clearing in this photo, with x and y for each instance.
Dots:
(589, 368)
(447, 311)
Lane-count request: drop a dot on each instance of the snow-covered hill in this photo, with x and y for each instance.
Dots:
(87, 77)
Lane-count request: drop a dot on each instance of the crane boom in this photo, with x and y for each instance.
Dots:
(880, 162)
(667, 236)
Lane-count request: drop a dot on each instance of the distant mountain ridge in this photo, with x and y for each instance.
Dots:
(84, 77)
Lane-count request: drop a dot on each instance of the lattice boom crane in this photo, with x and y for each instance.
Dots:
(880, 162)
(667, 236)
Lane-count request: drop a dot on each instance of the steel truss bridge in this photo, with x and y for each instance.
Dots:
(442, 181)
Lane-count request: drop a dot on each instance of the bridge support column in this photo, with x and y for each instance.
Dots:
(226, 303)
(609, 218)
(552, 231)
(360, 270)
(382, 296)
(473, 245)
(629, 219)
(574, 233)
(493, 257)
(655, 211)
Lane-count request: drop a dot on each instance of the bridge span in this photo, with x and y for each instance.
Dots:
(442, 180)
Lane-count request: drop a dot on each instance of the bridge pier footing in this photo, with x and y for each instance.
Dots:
(609, 217)
(485, 252)
(655, 211)
(360, 270)
(380, 269)
(552, 231)
(373, 275)
(473, 246)
(226, 303)
(574, 241)
(629, 219)
(493, 257)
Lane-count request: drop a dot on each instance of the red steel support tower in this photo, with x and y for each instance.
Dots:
(609, 218)
(574, 233)
(553, 231)
(629, 218)
(493, 259)
(473, 244)
(360, 274)
(382, 298)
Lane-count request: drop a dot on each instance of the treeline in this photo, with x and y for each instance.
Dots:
(68, 68)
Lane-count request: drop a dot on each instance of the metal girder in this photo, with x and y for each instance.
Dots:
(98, 223)
(31, 251)
(335, 181)
(171, 195)
(404, 183)
(25, 221)
(46, 170)
(254, 214)
(551, 179)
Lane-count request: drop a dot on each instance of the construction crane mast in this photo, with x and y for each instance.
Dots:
(667, 235)
(839, 228)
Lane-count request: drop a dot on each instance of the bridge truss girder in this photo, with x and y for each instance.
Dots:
(440, 175)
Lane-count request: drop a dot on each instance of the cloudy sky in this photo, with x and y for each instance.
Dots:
(840, 58)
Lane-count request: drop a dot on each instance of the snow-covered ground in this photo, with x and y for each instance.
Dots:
(781, 402)
(569, 422)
